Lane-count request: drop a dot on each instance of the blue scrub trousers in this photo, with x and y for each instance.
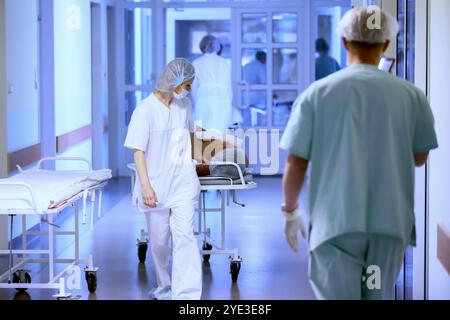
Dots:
(338, 268)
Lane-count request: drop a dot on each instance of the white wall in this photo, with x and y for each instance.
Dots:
(439, 68)
(47, 76)
(100, 98)
(82, 149)
(105, 83)
(3, 108)
(72, 68)
(22, 76)
(106, 55)
(3, 112)
(22, 73)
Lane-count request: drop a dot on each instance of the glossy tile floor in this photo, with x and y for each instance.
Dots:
(269, 270)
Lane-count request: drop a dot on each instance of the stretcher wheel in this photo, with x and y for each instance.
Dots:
(21, 277)
(91, 279)
(142, 252)
(235, 267)
(206, 246)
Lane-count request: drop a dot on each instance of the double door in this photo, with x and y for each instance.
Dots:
(270, 49)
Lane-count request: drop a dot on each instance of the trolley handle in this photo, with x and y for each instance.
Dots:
(23, 185)
(241, 176)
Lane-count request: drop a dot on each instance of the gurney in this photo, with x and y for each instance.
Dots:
(227, 187)
(47, 193)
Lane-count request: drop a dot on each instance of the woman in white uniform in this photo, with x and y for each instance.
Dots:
(167, 186)
(212, 90)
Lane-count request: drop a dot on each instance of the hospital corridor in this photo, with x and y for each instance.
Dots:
(224, 150)
(268, 270)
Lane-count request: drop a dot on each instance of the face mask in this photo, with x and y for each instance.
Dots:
(178, 96)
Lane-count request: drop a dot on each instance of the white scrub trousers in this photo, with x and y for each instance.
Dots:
(186, 283)
(337, 268)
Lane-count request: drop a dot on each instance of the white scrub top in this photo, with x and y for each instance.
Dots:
(212, 92)
(164, 135)
(360, 128)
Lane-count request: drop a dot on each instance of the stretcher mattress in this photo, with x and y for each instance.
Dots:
(224, 181)
(49, 187)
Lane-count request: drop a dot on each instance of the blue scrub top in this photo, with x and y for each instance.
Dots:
(326, 65)
(360, 128)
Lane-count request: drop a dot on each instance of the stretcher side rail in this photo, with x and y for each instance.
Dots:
(40, 162)
(31, 200)
(241, 175)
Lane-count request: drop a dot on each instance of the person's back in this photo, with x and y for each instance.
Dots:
(255, 72)
(212, 92)
(213, 75)
(365, 149)
(326, 65)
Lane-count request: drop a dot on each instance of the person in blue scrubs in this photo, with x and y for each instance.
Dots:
(325, 65)
(361, 132)
(255, 71)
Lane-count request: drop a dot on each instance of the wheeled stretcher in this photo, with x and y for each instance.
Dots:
(227, 187)
(47, 193)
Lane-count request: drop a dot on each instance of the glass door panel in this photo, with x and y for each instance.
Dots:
(405, 69)
(268, 76)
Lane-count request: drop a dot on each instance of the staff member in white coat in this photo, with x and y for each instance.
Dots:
(167, 186)
(211, 91)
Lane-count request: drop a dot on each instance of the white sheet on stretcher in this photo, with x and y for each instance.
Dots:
(49, 187)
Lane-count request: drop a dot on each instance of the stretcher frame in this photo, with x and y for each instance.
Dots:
(211, 246)
(55, 281)
(229, 187)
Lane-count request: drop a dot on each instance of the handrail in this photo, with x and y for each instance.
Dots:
(24, 185)
(38, 166)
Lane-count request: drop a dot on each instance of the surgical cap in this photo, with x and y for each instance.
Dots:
(175, 74)
(368, 24)
(209, 44)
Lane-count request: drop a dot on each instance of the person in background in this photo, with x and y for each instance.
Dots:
(325, 65)
(362, 131)
(255, 71)
(211, 91)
